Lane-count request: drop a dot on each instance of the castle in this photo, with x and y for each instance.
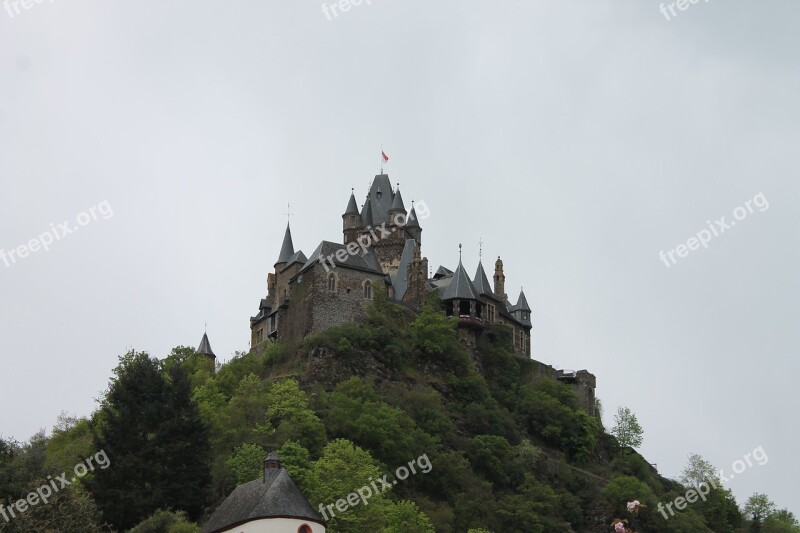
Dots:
(382, 249)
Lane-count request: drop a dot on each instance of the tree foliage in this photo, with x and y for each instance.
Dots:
(156, 441)
(627, 429)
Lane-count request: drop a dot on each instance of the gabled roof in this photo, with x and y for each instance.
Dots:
(352, 206)
(273, 496)
(442, 272)
(461, 286)
(481, 282)
(368, 262)
(287, 249)
(297, 257)
(205, 346)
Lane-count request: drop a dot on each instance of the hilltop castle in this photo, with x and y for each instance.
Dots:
(382, 248)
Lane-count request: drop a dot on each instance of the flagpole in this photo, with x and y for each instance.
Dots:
(381, 158)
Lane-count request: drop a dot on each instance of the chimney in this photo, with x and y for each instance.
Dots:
(272, 463)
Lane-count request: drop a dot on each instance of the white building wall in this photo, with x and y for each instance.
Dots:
(276, 525)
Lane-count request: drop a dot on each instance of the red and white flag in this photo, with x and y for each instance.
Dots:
(384, 156)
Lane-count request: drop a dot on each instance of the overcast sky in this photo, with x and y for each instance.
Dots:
(576, 139)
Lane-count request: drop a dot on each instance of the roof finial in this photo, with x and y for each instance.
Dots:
(459, 251)
(288, 212)
(205, 328)
(480, 249)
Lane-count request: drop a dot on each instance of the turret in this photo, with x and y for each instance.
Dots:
(205, 349)
(397, 213)
(351, 220)
(287, 248)
(413, 229)
(499, 279)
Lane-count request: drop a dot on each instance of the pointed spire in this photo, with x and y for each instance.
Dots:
(522, 302)
(412, 217)
(397, 203)
(352, 206)
(205, 346)
(287, 249)
(460, 286)
(366, 215)
(481, 281)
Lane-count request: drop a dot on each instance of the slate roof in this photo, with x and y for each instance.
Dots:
(412, 219)
(205, 346)
(397, 202)
(481, 282)
(400, 282)
(366, 214)
(379, 200)
(273, 496)
(287, 249)
(297, 257)
(442, 272)
(352, 206)
(368, 262)
(461, 286)
(522, 302)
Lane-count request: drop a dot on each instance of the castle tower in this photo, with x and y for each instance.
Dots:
(205, 348)
(351, 220)
(499, 279)
(280, 283)
(397, 213)
(413, 229)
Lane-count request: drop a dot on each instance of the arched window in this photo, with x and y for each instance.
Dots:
(368, 290)
(305, 528)
(331, 283)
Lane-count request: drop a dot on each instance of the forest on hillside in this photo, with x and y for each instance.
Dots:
(493, 448)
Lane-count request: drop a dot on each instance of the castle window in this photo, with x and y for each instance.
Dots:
(331, 283)
(463, 308)
(304, 529)
(368, 290)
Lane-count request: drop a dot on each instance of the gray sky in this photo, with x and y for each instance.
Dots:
(577, 139)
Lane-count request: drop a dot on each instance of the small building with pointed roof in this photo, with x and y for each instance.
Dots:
(205, 348)
(270, 504)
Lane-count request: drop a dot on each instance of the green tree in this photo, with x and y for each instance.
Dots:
(405, 516)
(627, 429)
(163, 521)
(342, 469)
(247, 462)
(156, 442)
(697, 471)
(69, 510)
(759, 507)
(289, 417)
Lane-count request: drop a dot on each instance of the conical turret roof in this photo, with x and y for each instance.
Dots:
(461, 286)
(205, 346)
(481, 281)
(352, 206)
(397, 203)
(287, 249)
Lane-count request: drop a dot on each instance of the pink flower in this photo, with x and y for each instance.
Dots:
(633, 505)
(619, 527)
